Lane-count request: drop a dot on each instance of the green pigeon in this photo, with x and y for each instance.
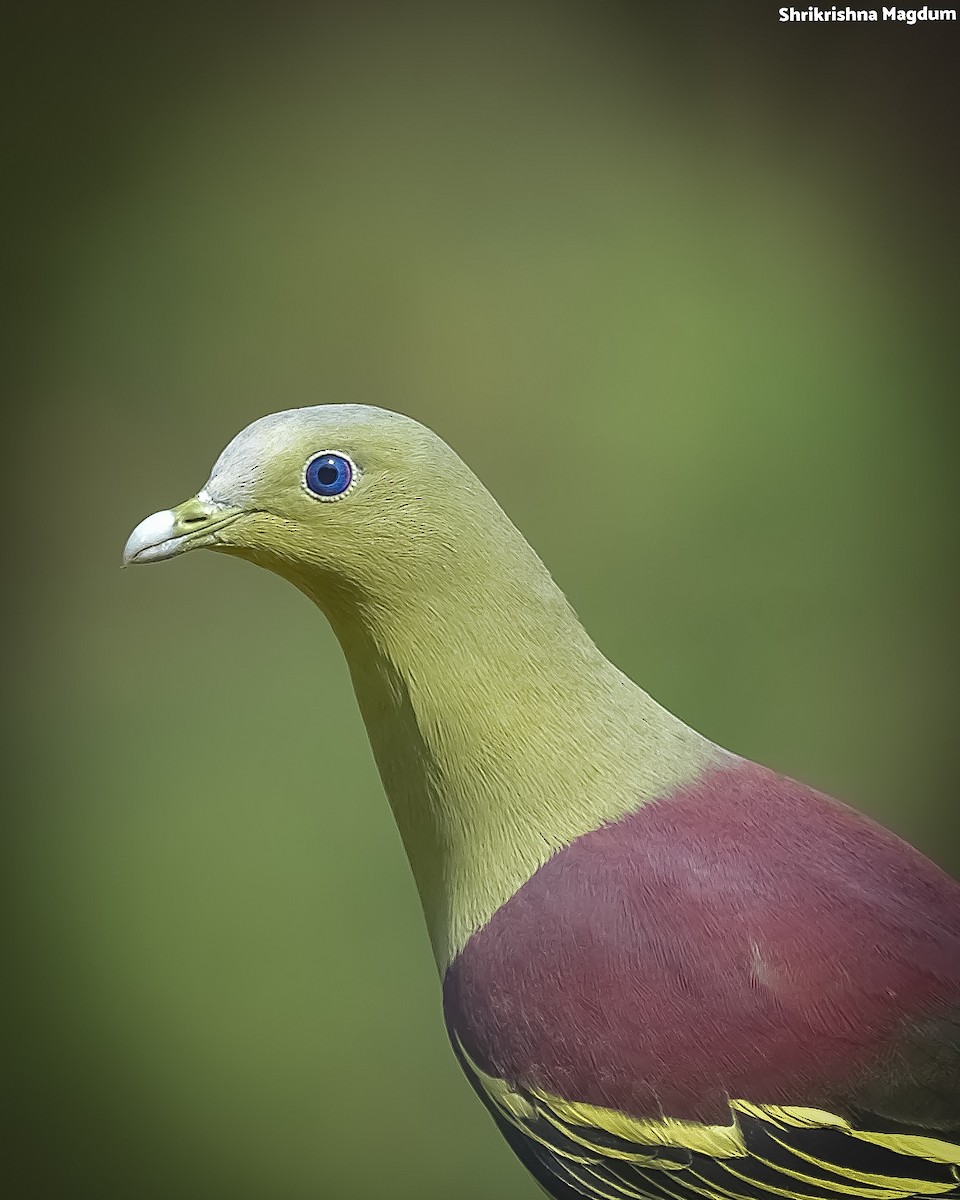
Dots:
(667, 971)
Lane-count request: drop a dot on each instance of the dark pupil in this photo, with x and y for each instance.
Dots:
(327, 474)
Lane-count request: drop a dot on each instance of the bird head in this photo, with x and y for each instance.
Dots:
(355, 500)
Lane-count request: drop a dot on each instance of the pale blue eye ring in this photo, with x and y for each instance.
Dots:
(329, 475)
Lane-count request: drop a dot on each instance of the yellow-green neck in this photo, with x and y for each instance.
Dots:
(500, 731)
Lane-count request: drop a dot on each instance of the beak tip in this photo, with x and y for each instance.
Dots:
(151, 534)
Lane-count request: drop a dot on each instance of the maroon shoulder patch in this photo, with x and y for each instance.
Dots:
(745, 937)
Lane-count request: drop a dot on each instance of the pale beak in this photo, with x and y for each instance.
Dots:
(174, 531)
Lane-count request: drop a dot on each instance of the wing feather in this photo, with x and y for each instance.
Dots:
(766, 1151)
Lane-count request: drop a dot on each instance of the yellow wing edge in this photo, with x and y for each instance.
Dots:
(716, 1141)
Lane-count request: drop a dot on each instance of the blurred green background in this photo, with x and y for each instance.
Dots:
(688, 265)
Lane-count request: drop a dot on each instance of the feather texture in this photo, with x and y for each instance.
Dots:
(578, 1150)
(741, 989)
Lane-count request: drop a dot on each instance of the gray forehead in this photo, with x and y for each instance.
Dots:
(236, 470)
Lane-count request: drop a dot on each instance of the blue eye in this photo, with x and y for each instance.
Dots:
(328, 475)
